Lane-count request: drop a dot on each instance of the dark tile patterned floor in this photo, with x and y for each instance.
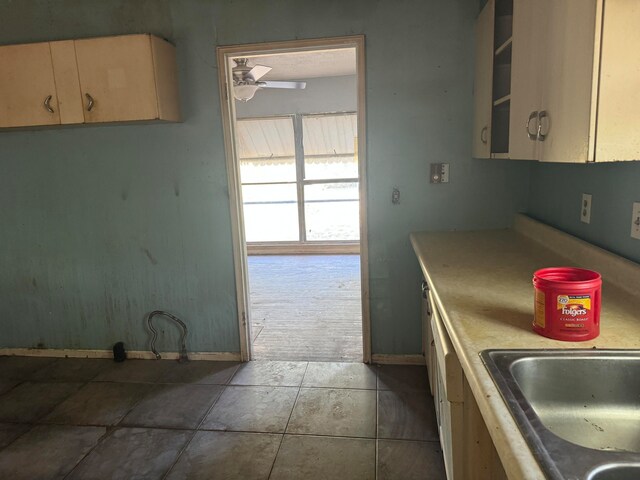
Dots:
(145, 419)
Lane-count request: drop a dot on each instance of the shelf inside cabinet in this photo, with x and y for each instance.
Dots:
(501, 92)
(504, 46)
(500, 127)
(503, 29)
(501, 81)
(501, 100)
(503, 25)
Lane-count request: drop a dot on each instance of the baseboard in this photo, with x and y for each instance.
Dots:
(132, 354)
(388, 359)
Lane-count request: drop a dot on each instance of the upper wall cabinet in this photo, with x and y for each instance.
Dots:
(571, 81)
(27, 86)
(108, 79)
(482, 85)
(131, 77)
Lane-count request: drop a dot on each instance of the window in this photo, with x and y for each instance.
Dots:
(304, 194)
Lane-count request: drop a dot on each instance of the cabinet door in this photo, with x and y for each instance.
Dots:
(483, 82)
(117, 78)
(65, 70)
(25, 84)
(567, 79)
(619, 92)
(528, 30)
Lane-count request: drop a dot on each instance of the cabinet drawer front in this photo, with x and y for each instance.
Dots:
(448, 363)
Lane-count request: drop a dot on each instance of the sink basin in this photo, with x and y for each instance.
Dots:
(578, 409)
(617, 472)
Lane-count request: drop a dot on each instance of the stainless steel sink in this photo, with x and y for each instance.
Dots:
(617, 472)
(579, 410)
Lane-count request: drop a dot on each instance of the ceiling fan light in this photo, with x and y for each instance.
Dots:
(244, 93)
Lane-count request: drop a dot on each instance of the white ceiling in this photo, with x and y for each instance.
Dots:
(314, 64)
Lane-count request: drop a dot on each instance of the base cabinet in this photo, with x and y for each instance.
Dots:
(468, 451)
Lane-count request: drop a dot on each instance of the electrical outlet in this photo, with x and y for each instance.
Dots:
(585, 208)
(395, 196)
(635, 221)
(439, 173)
(445, 173)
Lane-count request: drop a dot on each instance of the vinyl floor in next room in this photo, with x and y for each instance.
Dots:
(306, 307)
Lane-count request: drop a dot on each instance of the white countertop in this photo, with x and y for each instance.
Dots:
(481, 282)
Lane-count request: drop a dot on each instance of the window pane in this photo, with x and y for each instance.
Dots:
(270, 213)
(330, 146)
(265, 170)
(330, 168)
(332, 211)
(266, 149)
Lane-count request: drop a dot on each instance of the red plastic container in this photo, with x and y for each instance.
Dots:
(567, 303)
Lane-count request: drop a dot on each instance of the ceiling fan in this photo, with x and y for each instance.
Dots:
(246, 80)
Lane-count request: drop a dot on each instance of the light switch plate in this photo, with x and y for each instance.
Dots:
(439, 173)
(585, 208)
(635, 221)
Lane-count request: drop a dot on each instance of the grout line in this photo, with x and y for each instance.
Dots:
(107, 434)
(375, 474)
(31, 427)
(288, 420)
(375, 464)
(310, 387)
(197, 429)
(109, 429)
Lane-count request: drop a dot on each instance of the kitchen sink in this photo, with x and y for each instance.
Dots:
(617, 472)
(579, 410)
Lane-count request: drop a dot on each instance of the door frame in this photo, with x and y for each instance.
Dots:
(224, 55)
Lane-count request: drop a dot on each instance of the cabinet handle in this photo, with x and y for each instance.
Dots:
(425, 289)
(425, 295)
(542, 136)
(483, 136)
(47, 104)
(90, 102)
(534, 135)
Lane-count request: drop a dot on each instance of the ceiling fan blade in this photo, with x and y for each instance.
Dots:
(259, 71)
(274, 84)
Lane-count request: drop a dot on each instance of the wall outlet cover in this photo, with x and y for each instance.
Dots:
(585, 208)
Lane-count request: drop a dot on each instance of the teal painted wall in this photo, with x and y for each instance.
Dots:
(556, 194)
(102, 224)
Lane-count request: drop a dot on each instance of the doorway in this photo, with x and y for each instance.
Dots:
(293, 115)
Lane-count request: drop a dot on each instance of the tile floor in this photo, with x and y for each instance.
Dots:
(94, 419)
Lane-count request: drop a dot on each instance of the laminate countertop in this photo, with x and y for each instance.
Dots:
(481, 282)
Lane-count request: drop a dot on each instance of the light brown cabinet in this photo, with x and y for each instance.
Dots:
(27, 86)
(96, 80)
(566, 83)
(121, 78)
(482, 84)
(467, 448)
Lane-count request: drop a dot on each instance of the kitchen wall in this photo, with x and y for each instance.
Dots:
(102, 224)
(556, 195)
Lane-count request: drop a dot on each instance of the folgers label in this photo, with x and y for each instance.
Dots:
(567, 303)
